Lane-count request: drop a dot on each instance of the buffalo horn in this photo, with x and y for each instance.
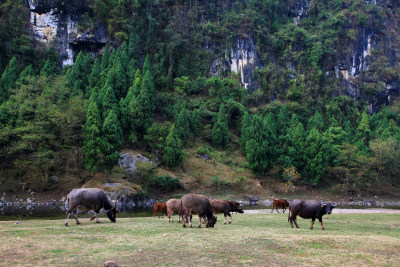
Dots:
(334, 204)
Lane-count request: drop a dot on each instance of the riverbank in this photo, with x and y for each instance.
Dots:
(335, 211)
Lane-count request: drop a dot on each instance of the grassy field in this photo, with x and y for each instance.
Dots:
(252, 239)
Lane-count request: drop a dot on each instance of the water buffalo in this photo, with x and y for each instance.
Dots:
(280, 203)
(174, 206)
(225, 207)
(160, 207)
(309, 209)
(89, 199)
(200, 205)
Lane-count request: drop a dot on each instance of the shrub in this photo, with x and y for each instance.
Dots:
(167, 183)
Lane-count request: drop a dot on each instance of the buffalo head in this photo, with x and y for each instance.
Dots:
(328, 207)
(211, 221)
(236, 207)
(111, 214)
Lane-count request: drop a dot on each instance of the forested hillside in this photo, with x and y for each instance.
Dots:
(305, 92)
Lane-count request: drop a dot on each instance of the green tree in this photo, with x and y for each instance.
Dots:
(316, 121)
(92, 138)
(133, 48)
(48, 69)
(182, 126)
(363, 133)
(94, 78)
(105, 58)
(220, 133)
(245, 131)
(25, 74)
(107, 100)
(195, 122)
(314, 157)
(77, 75)
(111, 141)
(7, 80)
(173, 154)
(296, 138)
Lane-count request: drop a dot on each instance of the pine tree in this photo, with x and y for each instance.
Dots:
(120, 80)
(92, 138)
(27, 72)
(363, 133)
(47, 69)
(316, 122)
(182, 126)
(173, 154)
(314, 157)
(271, 130)
(111, 141)
(195, 122)
(144, 106)
(296, 138)
(220, 133)
(105, 58)
(107, 100)
(111, 60)
(94, 78)
(283, 123)
(258, 154)
(7, 81)
(131, 70)
(77, 75)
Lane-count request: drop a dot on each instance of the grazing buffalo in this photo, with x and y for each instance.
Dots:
(200, 205)
(160, 207)
(89, 199)
(174, 206)
(309, 209)
(280, 203)
(225, 207)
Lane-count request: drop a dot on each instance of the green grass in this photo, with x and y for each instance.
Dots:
(252, 239)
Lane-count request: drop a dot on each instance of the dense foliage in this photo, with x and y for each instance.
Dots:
(152, 89)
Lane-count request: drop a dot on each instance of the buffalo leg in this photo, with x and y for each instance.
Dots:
(312, 223)
(283, 210)
(224, 218)
(76, 216)
(199, 221)
(293, 219)
(320, 222)
(230, 217)
(71, 210)
(272, 211)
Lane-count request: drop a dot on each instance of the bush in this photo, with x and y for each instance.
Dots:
(145, 171)
(167, 183)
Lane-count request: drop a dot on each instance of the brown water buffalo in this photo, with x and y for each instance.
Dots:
(280, 203)
(309, 209)
(89, 199)
(160, 207)
(197, 204)
(174, 206)
(225, 207)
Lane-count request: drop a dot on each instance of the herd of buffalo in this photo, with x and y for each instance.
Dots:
(95, 199)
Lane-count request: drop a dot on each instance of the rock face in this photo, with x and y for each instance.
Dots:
(56, 22)
(242, 59)
(128, 162)
(298, 9)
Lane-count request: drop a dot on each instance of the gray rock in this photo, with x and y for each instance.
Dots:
(54, 178)
(127, 161)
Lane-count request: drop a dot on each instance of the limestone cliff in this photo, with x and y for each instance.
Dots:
(56, 23)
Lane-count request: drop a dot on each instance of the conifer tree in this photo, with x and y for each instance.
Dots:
(47, 69)
(173, 154)
(111, 60)
(283, 123)
(144, 106)
(314, 157)
(271, 130)
(8, 78)
(77, 75)
(220, 133)
(316, 121)
(296, 138)
(195, 122)
(182, 126)
(105, 58)
(127, 105)
(111, 141)
(133, 48)
(363, 133)
(107, 100)
(131, 71)
(257, 151)
(92, 138)
(94, 78)
(28, 71)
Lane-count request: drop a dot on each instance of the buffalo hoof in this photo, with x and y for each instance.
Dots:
(98, 222)
(311, 228)
(199, 225)
(191, 226)
(184, 226)
(225, 223)
(230, 222)
(66, 224)
(78, 223)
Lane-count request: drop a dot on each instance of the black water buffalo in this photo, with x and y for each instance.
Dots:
(200, 205)
(89, 199)
(309, 209)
